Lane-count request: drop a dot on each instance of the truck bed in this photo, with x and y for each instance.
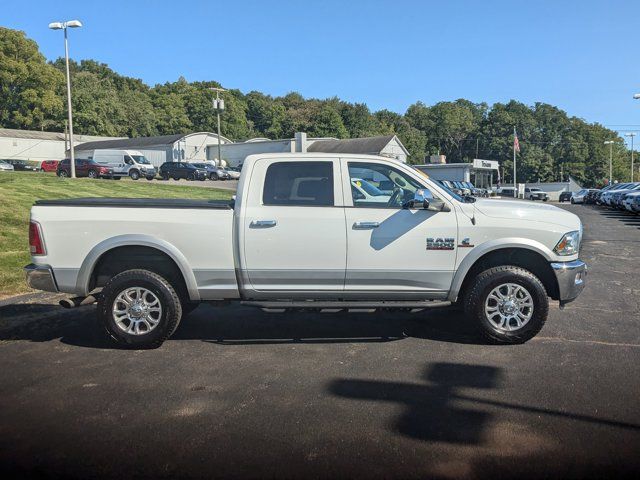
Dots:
(196, 234)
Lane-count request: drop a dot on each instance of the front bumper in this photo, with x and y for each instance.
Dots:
(40, 277)
(571, 277)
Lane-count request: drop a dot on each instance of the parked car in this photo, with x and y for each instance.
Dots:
(590, 197)
(580, 196)
(617, 197)
(178, 170)
(506, 192)
(598, 195)
(565, 197)
(628, 200)
(533, 193)
(5, 167)
(213, 172)
(84, 168)
(294, 238)
(607, 196)
(233, 174)
(123, 163)
(21, 166)
(49, 165)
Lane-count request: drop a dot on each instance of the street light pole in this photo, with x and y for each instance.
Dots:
(64, 26)
(218, 104)
(631, 135)
(610, 143)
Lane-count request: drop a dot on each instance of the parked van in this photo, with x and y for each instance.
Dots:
(125, 162)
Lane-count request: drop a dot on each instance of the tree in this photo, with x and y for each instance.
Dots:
(327, 122)
(30, 89)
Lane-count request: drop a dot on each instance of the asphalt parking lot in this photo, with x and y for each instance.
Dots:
(242, 393)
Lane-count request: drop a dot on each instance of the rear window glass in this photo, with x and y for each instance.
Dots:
(299, 183)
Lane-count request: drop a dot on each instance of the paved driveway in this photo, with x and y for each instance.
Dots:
(238, 392)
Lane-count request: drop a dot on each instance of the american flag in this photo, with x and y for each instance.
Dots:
(516, 143)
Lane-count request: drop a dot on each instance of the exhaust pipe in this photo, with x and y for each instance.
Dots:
(77, 301)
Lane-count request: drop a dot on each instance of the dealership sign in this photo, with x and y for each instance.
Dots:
(487, 164)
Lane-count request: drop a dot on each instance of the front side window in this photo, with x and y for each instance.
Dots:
(299, 184)
(375, 185)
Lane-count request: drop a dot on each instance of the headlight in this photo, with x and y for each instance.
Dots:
(569, 244)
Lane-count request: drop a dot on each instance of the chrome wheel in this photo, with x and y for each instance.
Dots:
(509, 307)
(137, 311)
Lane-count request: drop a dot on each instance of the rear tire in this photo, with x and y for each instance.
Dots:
(139, 309)
(134, 175)
(150, 178)
(508, 304)
(62, 174)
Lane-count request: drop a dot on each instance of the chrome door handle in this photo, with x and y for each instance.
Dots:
(365, 225)
(263, 223)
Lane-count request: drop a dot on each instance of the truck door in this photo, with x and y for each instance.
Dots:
(402, 252)
(293, 226)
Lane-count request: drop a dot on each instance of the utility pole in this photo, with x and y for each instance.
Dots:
(218, 105)
(610, 143)
(515, 185)
(64, 26)
(631, 135)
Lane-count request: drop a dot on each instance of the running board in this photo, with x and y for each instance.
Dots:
(348, 304)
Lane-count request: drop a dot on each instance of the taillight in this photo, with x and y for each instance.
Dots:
(36, 243)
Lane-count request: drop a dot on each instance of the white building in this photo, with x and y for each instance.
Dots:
(36, 146)
(191, 147)
(387, 145)
(554, 189)
(482, 173)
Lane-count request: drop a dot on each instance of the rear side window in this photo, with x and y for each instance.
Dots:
(299, 183)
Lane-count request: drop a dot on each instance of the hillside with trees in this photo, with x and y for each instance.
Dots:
(553, 144)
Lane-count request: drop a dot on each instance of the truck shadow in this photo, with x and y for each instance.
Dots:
(445, 406)
(238, 325)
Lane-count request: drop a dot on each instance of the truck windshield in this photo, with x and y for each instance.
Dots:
(140, 159)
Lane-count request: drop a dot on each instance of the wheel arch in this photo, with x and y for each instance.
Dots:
(524, 253)
(128, 248)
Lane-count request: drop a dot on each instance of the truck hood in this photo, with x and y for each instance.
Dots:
(522, 210)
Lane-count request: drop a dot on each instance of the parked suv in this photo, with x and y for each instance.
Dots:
(178, 170)
(84, 168)
(565, 196)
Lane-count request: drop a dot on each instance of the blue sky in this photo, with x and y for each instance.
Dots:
(579, 55)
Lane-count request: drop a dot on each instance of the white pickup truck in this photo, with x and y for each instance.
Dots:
(300, 235)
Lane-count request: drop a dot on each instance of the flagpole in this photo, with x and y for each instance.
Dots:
(515, 184)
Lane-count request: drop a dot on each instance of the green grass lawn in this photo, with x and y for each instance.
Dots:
(18, 191)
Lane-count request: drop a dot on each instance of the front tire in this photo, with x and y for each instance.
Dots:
(213, 176)
(139, 309)
(509, 304)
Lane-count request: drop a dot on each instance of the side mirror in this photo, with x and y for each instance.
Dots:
(420, 201)
(436, 205)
